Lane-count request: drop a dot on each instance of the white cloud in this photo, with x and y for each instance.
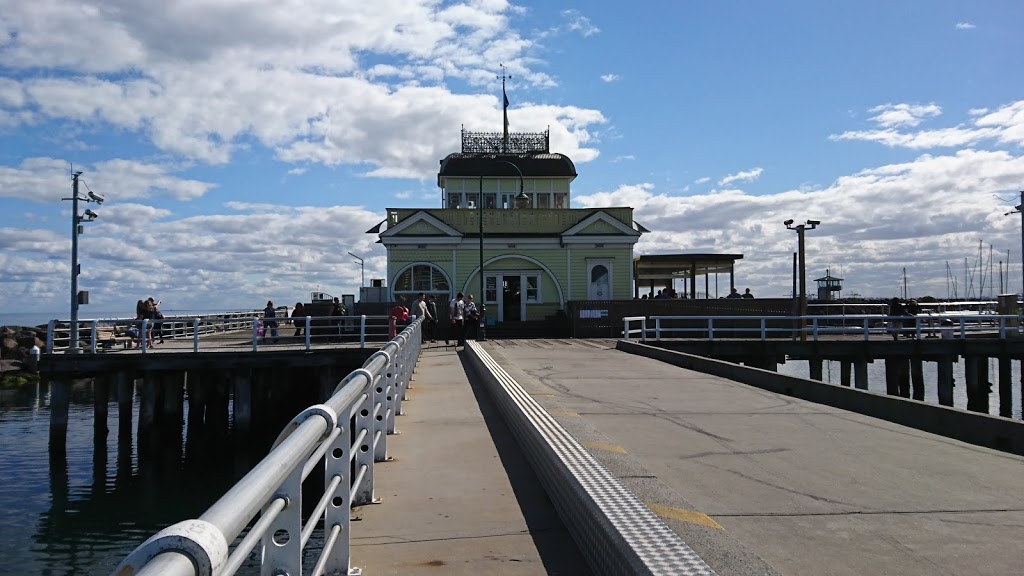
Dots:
(1005, 125)
(624, 157)
(702, 180)
(744, 176)
(610, 77)
(965, 26)
(577, 22)
(297, 171)
(890, 115)
(202, 82)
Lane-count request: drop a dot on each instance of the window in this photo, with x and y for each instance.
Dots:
(421, 278)
(491, 289)
(533, 289)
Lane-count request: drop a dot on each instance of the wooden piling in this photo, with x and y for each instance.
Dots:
(100, 400)
(148, 403)
(198, 390)
(860, 374)
(242, 402)
(944, 372)
(845, 368)
(975, 378)
(125, 386)
(814, 368)
(60, 404)
(917, 378)
(1005, 387)
(984, 385)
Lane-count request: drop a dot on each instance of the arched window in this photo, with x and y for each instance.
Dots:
(421, 278)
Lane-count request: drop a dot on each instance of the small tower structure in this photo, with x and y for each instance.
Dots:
(828, 285)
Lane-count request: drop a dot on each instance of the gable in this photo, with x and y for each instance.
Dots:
(420, 224)
(422, 228)
(598, 227)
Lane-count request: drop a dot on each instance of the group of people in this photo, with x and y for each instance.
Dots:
(736, 294)
(298, 319)
(901, 317)
(148, 309)
(463, 316)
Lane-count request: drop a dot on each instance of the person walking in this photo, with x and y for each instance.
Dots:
(423, 311)
(337, 311)
(299, 318)
(457, 313)
(434, 321)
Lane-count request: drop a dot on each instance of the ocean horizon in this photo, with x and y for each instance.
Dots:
(43, 318)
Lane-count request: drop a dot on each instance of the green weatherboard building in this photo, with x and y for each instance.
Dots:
(538, 252)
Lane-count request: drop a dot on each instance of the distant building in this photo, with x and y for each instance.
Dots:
(829, 287)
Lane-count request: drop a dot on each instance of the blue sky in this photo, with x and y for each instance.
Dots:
(244, 150)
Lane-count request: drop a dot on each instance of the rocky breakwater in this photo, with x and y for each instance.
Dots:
(16, 342)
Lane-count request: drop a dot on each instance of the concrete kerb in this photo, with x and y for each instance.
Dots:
(616, 532)
(993, 432)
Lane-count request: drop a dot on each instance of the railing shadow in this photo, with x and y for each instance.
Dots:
(557, 549)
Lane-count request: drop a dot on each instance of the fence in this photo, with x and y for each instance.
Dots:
(218, 331)
(347, 433)
(765, 327)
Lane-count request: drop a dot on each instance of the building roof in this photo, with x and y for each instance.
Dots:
(539, 165)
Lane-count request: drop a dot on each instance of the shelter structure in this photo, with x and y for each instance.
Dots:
(658, 271)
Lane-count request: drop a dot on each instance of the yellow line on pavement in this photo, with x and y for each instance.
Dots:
(564, 413)
(541, 394)
(693, 517)
(605, 447)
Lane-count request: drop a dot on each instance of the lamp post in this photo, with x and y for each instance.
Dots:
(362, 277)
(802, 303)
(1019, 209)
(76, 229)
(480, 209)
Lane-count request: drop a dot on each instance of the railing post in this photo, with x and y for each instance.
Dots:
(381, 390)
(363, 484)
(143, 338)
(764, 329)
(362, 331)
(643, 329)
(1002, 328)
(92, 337)
(963, 328)
(282, 542)
(51, 326)
(625, 328)
(195, 334)
(867, 332)
(338, 514)
(255, 334)
(711, 329)
(814, 328)
(306, 333)
(657, 329)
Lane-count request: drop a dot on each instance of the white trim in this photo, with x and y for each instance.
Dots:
(568, 267)
(600, 216)
(411, 240)
(608, 264)
(600, 240)
(418, 217)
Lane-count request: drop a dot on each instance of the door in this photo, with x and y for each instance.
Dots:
(511, 298)
(599, 286)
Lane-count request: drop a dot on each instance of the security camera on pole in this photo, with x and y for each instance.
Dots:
(78, 297)
(802, 302)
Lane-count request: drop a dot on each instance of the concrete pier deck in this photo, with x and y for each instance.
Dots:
(459, 497)
(809, 489)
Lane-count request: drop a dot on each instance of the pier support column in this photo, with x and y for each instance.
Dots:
(100, 400)
(197, 398)
(328, 382)
(917, 378)
(150, 397)
(242, 404)
(860, 374)
(814, 368)
(944, 372)
(60, 403)
(1005, 387)
(125, 386)
(845, 368)
(173, 406)
(976, 373)
(897, 377)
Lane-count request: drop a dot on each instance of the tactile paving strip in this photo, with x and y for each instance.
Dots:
(615, 530)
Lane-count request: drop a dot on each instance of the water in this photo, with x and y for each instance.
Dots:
(84, 513)
(876, 381)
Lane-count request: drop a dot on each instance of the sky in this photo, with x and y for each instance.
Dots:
(244, 148)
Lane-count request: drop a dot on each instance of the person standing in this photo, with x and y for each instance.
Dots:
(734, 294)
(269, 325)
(457, 312)
(337, 311)
(299, 318)
(747, 294)
(896, 314)
(433, 322)
(423, 311)
(472, 318)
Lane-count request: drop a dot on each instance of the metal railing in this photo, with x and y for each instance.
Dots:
(347, 433)
(765, 327)
(215, 331)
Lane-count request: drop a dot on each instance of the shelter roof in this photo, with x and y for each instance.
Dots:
(661, 266)
(539, 165)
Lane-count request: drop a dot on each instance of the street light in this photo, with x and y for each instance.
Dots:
(362, 277)
(77, 297)
(1019, 210)
(480, 209)
(802, 302)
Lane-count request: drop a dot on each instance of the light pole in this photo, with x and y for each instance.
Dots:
(362, 277)
(1019, 209)
(76, 229)
(480, 209)
(800, 229)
